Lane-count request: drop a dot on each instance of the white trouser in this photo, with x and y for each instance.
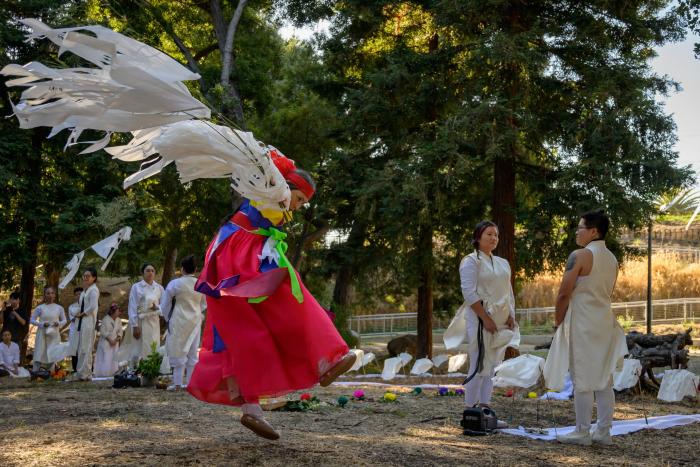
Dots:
(189, 360)
(479, 389)
(583, 404)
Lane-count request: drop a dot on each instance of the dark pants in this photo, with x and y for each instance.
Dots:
(74, 362)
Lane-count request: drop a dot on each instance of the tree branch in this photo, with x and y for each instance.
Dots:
(205, 52)
(227, 62)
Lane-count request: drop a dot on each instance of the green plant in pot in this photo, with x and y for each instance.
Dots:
(149, 367)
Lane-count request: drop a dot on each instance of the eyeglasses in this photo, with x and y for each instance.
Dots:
(583, 227)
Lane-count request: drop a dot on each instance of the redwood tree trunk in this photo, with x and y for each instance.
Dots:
(169, 264)
(425, 293)
(504, 207)
(343, 279)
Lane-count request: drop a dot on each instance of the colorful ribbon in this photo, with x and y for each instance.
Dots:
(281, 246)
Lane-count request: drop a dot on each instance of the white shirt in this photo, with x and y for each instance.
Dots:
(9, 355)
(48, 313)
(141, 296)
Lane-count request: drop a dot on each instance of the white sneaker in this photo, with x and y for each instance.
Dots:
(173, 387)
(601, 437)
(582, 438)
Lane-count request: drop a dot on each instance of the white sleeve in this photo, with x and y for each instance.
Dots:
(468, 279)
(204, 303)
(91, 302)
(73, 310)
(62, 317)
(14, 349)
(160, 296)
(36, 314)
(133, 306)
(166, 299)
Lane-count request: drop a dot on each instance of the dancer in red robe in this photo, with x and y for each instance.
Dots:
(265, 334)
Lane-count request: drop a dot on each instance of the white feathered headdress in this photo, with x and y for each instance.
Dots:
(136, 88)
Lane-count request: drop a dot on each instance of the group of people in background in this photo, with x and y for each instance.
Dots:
(179, 305)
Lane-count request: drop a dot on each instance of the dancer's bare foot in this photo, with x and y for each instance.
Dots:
(259, 426)
(343, 365)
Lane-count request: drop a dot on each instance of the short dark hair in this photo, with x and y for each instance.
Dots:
(14, 296)
(597, 219)
(77, 289)
(146, 264)
(92, 271)
(188, 264)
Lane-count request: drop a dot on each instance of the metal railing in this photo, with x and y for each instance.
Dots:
(674, 310)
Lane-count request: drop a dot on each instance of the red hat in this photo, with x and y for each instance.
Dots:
(288, 170)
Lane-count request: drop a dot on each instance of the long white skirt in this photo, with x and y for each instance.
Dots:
(106, 363)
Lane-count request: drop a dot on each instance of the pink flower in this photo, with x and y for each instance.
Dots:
(305, 397)
(359, 394)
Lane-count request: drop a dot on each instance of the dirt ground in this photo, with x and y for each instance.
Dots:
(56, 423)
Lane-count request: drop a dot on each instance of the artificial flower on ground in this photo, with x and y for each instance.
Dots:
(389, 397)
(342, 400)
(443, 391)
(305, 403)
(359, 395)
(417, 391)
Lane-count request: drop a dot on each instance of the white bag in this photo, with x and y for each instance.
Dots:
(628, 376)
(523, 372)
(678, 384)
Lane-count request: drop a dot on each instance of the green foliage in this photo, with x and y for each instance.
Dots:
(149, 367)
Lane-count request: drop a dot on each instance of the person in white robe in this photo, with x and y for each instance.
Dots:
(48, 319)
(489, 311)
(82, 341)
(143, 329)
(9, 357)
(106, 359)
(589, 342)
(73, 310)
(182, 309)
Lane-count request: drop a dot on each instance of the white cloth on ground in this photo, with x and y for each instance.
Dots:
(565, 394)
(628, 376)
(522, 371)
(620, 427)
(677, 384)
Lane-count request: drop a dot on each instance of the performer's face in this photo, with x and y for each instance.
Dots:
(489, 239)
(149, 273)
(584, 235)
(7, 337)
(49, 295)
(298, 200)
(88, 279)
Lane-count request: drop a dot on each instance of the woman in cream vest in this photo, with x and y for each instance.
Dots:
(589, 343)
(487, 315)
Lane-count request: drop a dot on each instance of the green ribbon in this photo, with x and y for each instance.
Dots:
(281, 247)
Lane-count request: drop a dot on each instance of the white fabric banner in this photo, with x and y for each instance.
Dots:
(73, 265)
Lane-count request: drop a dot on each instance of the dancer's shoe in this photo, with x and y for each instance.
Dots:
(343, 365)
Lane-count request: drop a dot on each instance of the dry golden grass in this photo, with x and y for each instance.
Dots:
(672, 277)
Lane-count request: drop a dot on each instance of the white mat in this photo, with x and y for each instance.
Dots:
(621, 427)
